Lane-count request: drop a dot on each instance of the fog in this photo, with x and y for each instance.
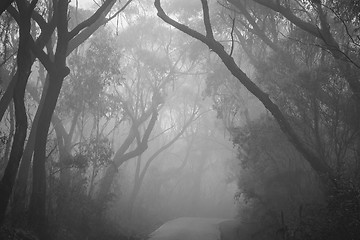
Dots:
(190, 178)
(211, 119)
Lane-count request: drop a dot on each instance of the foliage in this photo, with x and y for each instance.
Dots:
(307, 85)
(296, 69)
(97, 150)
(275, 186)
(92, 72)
(79, 216)
(343, 211)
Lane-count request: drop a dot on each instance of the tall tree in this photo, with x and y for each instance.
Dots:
(140, 174)
(55, 64)
(24, 66)
(153, 65)
(317, 163)
(57, 71)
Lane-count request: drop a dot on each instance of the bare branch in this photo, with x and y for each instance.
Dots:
(119, 11)
(97, 15)
(232, 36)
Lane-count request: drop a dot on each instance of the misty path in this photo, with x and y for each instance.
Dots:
(168, 119)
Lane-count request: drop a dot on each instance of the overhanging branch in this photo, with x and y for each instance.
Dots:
(318, 164)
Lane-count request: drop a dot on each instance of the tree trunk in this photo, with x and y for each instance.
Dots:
(20, 198)
(121, 156)
(11, 134)
(24, 65)
(7, 182)
(136, 188)
(38, 196)
(140, 175)
(37, 208)
(318, 164)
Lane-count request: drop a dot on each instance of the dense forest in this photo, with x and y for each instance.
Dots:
(117, 116)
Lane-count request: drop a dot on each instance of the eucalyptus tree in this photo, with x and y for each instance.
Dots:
(307, 81)
(304, 79)
(151, 64)
(225, 54)
(304, 70)
(296, 72)
(55, 18)
(175, 121)
(24, 64)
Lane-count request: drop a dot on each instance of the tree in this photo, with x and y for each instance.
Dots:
(24, 65)
(305, 81)
(140, 173)
(345, 59)
(153, 63)
(57, 70)
(317, 164)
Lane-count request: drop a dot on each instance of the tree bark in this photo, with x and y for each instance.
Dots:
(11, 133)
(20, 198)
(24, 66)
(38, 196)
(57, 73)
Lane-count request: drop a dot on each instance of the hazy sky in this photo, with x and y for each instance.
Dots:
(83, 3)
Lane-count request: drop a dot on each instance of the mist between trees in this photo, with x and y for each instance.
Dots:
(121, 116)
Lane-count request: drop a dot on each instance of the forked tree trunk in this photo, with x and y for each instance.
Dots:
(121, 156)
(37, 208)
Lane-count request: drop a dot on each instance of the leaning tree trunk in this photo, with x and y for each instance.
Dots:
(37, 206)
(121, 156)
(20, 198)
(318, 164)
(57, 73)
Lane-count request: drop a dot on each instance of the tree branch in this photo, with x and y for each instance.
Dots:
(308, 27)
(316, 163)
(100, 13)
(207, 23)
(144, 142)
(119, 11)
(232, 36)
(210, 43)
